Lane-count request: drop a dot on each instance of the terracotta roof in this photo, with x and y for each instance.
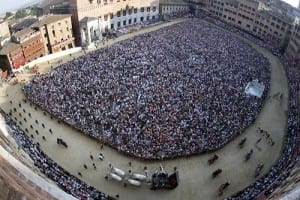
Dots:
(48, 19)
(24, 23)
(8, 48)
(23, 32)
(87, 19)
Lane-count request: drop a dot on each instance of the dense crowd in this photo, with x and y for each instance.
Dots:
(52, 170)
(172, 92)
(290, 155)
(282, 168)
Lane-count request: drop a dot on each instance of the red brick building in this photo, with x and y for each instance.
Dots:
(11, 57)
(31, 43)
(57, 32)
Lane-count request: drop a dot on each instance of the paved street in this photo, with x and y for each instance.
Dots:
(195, 173)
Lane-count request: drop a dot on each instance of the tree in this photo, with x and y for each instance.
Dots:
(20, 14)
(8, 14)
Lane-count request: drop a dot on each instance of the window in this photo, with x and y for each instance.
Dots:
(142, 19)
(129, 21)
(124, 12)
(53, 33)
(112, 26)
(124, 23)
(135, 10)
(142, 9)
(118, 14)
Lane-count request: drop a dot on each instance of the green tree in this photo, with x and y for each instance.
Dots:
(20, 14)
(33, 11)
(8, 14)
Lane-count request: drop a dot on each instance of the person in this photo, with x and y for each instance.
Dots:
(144, 84)
(52, 170)
(258, 141)
(216, 173)
(242, 142)
(248, 155)
(101, 157)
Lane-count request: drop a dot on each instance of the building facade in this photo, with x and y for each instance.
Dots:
(4, 30)
(255, 17)
(11, 57)
(173, 7)
(56, 32)
(292, 52)
(4, 33)
(205, 3)
(31, 43)
(110, 14)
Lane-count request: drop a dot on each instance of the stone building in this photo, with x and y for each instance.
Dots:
(256, 18)
(4, 30)
(31, 43)
(205, 3)
(4, 33)
(173, 7)
(57, 32)
(106, 15)
(11, 57)
(293, 50)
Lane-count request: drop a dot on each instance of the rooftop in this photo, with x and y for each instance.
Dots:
(9, 48)
(23, 32)
(88, 19)
(23, 24)
(48, 19)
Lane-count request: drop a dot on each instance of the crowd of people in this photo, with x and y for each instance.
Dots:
(47, 166)
(153, 96)
(282, 168)
(172, 92)
(290, 155)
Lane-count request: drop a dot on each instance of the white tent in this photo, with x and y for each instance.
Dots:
(255, 88)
